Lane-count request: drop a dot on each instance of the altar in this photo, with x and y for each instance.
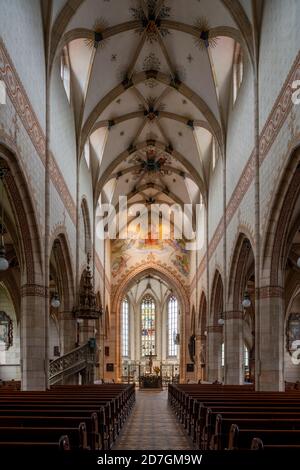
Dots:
(150, 381)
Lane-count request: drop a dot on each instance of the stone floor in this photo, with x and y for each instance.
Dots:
(152, 425)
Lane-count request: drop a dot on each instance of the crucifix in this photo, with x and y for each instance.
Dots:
(150, 357)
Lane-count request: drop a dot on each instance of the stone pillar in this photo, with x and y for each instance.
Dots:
(34, 354)
(68, 332)
(215, 340)
(201, 359)
(269, 369)
(197, 357)
(87, 331)
(234, 348)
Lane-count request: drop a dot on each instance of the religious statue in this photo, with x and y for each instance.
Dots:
(150, 362)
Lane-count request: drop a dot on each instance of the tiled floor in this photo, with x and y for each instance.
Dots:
(152, 425)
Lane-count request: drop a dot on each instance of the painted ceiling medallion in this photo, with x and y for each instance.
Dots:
(151, 161)
(204, 40)
(151, 23)
(98, 41)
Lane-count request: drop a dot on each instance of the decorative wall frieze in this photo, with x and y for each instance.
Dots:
(214, 329)
(22, 105)
(234, 315)
(34, 290)
(268, 292)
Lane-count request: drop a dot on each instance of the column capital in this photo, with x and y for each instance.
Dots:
(34, 290)
(214, 329)
(234, 315)
(267, 292)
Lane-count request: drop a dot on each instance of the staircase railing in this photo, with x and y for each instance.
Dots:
(81, 359)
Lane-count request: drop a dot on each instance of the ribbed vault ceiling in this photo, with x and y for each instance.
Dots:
(151, 86)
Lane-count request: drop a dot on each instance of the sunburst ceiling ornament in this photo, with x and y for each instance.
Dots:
(152, 22)
(204, 40)
(98, 41)
(151, 162)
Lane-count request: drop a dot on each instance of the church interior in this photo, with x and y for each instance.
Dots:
(150, 224)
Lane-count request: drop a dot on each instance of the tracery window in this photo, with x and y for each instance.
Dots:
(172, 326)
(125, 327)
(148, 326)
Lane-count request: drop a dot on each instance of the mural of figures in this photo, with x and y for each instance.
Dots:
(126, 253)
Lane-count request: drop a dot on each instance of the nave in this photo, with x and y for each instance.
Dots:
(152, 425)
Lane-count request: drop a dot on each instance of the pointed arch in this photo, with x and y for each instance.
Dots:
(202, 319)
(217, 300)
(86, 226)
(64, 271)
(242, 267)
(278, 229)
(28, 233)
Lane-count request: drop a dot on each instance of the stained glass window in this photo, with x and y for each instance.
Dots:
(125, 328)
(148, 326)
(222, 355)
(246, 356)
(172, 326)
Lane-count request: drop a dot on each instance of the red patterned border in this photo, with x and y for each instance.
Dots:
(214, 329)
(19, 98)
(234, 315)
(268, 292)
(28, 290)
(276, 118)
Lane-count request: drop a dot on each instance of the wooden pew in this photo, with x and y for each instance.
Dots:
(102, 409)
(241, 439)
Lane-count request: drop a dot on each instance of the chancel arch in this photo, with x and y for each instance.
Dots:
(166, 285)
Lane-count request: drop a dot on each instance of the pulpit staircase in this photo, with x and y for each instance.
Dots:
(79, 360)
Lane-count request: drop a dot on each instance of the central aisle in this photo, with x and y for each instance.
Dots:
(152, 425)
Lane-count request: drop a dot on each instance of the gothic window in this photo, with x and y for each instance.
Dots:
(65, 71)
(222, 355)
(238, 70)
(6, 330)
(173, 327)
(148, 325)
(125, 328)
(86, 226)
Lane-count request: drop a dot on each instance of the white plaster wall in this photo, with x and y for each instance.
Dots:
(240, 133)
(215, 198)
(21, 30)
(279, 45)
(62, 130)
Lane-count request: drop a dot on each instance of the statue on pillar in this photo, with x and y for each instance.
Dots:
(150, 362)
